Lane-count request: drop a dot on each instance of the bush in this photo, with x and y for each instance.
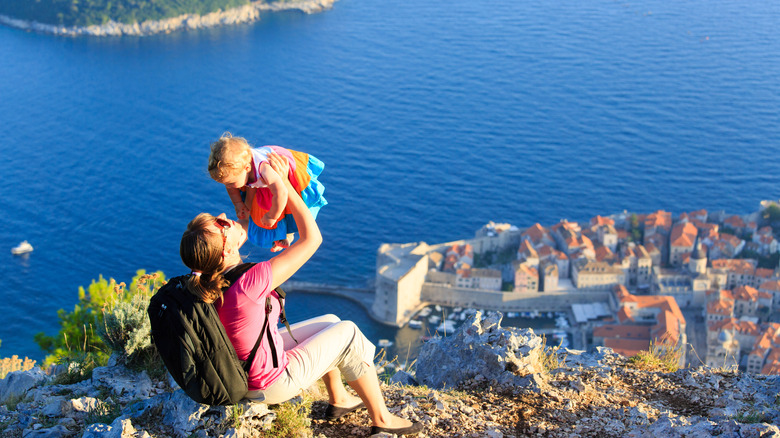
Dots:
(77, 341)
(126, 329)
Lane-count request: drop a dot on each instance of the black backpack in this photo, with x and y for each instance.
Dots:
(194, 346)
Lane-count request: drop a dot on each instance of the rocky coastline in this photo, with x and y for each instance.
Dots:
(483, 381)
(243, 14)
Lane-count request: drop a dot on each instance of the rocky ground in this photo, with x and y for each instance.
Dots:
(616, 401)
(484, 381)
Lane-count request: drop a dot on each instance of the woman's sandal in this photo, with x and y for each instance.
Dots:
(400, 431)
(334, 412)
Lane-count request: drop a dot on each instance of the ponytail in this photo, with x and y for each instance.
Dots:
(207, 287)
(201, 251)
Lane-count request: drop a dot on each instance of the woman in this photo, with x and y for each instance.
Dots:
(328, 348)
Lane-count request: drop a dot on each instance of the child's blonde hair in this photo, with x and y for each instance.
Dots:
(228, 156)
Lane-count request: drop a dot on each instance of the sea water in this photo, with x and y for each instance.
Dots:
(432, 118)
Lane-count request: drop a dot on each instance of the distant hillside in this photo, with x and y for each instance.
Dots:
(89, 12)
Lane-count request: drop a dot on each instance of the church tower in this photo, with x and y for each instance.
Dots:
(698, 262)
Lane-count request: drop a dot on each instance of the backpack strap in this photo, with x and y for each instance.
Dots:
(232, 276)
(282, 316)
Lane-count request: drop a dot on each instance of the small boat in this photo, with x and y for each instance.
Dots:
(446, 327)
(438, 308)
(384, 343)
(511, 314)
(425, 312)
(457, 309)
(415, 324)
(434, 319)
(22, 248)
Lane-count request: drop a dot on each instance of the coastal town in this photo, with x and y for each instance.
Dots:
(706, 284)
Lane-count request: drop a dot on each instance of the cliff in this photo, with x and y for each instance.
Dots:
(484, 381)
(243, 14)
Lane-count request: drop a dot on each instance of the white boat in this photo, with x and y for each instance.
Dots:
(446, 327)
(438, 308)
(457, 309)
(425, 312)
(434, 319)
(384, 343)
(415, 324)
(22, 248)
(511, 314)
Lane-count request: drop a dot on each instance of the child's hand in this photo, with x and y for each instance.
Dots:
(267, 221)
(241, 211)
(279, 164)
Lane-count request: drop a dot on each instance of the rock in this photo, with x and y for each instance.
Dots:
(18, 383)
(51, 432)
(182, 413)
(96, 430)
(404, 378)
(123, 382)
(481, 347)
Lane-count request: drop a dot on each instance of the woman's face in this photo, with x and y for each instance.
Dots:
(233, 232)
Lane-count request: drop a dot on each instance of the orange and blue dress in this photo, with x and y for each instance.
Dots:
(304, 170)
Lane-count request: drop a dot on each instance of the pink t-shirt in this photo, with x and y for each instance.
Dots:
(242, 312)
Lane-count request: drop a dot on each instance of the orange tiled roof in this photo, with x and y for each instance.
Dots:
(599, 221)
(660, 218)
(745, 293)
(683, 234)
(535, 232)
(721, 307)
(734, 222)
(740, 266)
(764, 273)
(773, 285)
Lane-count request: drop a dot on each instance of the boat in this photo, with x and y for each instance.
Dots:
(425, 312)
(22, 248)
(434, 319)
(511, 314)
(384, 343)
(446, 327)
(438, 308)
(415, 324)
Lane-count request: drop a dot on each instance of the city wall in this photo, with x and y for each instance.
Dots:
(507, 301)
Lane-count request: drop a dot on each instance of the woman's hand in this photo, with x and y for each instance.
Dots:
(279, 164)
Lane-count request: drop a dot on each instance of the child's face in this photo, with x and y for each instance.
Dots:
(237, 180)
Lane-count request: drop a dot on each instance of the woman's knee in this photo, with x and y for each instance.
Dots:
(329, 317)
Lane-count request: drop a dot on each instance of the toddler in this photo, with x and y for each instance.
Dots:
(258, 192)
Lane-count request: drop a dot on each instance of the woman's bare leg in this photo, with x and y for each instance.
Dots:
(337, 393)
(368, 389)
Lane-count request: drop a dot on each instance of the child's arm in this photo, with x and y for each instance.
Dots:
(278, 190)
(241, 210)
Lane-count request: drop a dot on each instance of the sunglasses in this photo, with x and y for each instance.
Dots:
(222, 224)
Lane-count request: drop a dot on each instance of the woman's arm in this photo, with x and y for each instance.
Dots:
(284, 265)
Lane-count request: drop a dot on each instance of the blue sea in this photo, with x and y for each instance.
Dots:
(433, 118)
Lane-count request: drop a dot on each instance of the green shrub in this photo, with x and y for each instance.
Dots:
(126, 329)
(78, 341)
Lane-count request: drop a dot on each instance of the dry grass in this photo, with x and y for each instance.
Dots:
(549, 356)
(659, 357)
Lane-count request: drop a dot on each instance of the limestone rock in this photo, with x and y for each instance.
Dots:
(17, 383)
(480, 349)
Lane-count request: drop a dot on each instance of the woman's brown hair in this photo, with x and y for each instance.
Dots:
(201, 251)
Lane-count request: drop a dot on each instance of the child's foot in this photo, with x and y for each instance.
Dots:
(280, 245)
